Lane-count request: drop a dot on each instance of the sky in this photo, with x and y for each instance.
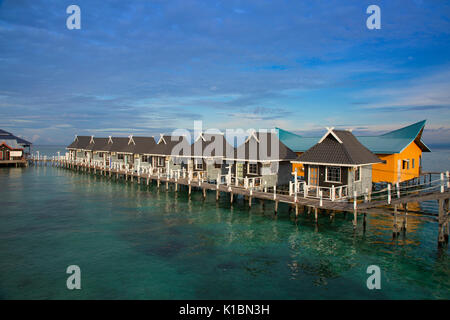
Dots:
(148, 67)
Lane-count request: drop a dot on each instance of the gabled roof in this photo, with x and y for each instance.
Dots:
(397, 140)
(388, 143)
(338, 147)
(98, 144)
(119, 144)
(5, 135)
(264, 146)
(80, 143)
(296, 142)
(166, 144)
(209, 145)
(141, 145)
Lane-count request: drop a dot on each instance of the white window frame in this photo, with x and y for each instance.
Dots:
(359, 169)
(326, 174)
(159, 164)
(248, 168)
(198, 164)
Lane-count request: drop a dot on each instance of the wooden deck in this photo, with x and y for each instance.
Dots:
(387, 202)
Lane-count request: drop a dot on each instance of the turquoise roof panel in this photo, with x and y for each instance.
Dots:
(388, 143)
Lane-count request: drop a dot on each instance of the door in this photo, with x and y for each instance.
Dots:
(313, 176)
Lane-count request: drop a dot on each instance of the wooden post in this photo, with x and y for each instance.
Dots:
(441, 223)
(204, 193)
(395, 226)
(397, 186)
(250, 198)
(355, 209)
(405, 218)
(448, 180)
(321, 200)
(276, 206)
(296, 209)
(231, 197)
(446, 227)
(389, 193)
(316, 217)
(442, 182)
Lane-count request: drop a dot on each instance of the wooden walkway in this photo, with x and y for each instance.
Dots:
(386, 201)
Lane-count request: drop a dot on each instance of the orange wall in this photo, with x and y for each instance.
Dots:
(298, 166)
(388, 172)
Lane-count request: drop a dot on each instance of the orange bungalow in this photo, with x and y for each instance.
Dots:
(400, 150)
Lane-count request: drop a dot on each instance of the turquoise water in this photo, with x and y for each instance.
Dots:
(138, 242)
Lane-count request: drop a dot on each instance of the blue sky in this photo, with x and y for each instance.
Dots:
(145, 67)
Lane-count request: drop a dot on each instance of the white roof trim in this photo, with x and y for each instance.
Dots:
(330, 131)
(200, 136)
(110, 139)
(253, 134)
(161, 138)
(92, 140)
(131, 140)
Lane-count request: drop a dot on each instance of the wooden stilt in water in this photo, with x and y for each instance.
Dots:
(405, 218)
(443, 222)
(204, 193)
(395, 226)
(190, 190)
(316, 216)
(276, 206)
(231, 197)
(167, 185)
(217, 194)
(296, 209)
(364, 221)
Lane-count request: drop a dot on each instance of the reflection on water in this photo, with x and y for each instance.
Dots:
(142, 242)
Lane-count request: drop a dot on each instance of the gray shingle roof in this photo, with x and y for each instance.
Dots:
(171, 145)
(331, 151)
(269, 148)
(212, 145)
(80, 142)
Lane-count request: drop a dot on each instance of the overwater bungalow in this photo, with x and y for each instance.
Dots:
(207, 156)
(262, 161)
(167, 154)
(97, 152)
(401, 152)
(78, 148)
(337, 166)
(14, 149)
(141, 148)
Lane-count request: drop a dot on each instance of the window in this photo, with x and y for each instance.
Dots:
(100, 154)
(333, 174)
(405, 164)
(161, 161)
(120, 156)
(413, 163)
(217, 165)
(198, 164)
(253, 168)
(357, 173)
(144, 158)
